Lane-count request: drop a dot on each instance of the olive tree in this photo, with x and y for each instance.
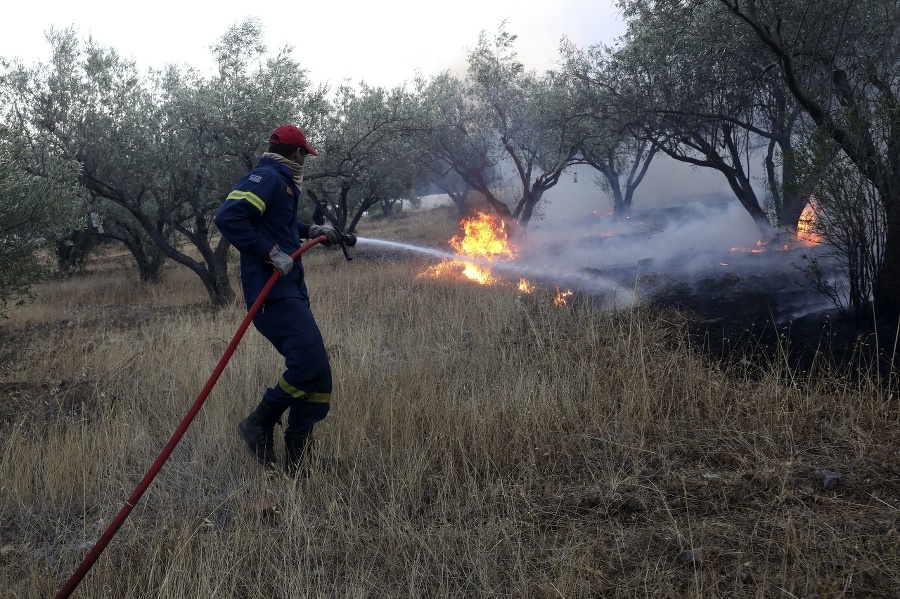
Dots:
(704, 92)
(501, 119)
(38, 204)
(849, 221)
(365, 159)
(453, 156)
(840, 60)
(163, 149)
(605, 142)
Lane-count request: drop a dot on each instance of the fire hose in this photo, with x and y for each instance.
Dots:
(103, 541)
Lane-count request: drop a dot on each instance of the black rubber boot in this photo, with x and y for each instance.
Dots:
(296, 447)
(258, 431)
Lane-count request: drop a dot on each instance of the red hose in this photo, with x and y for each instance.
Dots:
(104, 540)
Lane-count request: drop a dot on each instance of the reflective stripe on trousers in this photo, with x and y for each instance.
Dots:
(305, 386)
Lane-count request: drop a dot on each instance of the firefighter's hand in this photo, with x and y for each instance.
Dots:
(280, 260)
(329, 232)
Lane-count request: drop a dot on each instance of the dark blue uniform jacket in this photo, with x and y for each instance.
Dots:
(261, 211)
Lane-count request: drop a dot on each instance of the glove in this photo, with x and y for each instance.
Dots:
(329, 232)
(280, 260)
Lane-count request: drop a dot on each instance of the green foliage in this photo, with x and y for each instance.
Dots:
(74, 248)
(692, 80)
(365, 157)
(849, 219)
(503, 131)
(608, 142)
(160, 150)
(37, 204)
(838, 59)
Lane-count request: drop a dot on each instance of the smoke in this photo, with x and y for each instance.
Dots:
(699, 249)
(691, 233)
(688, 240)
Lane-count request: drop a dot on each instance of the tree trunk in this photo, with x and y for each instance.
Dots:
(620, 208)
(224, 293)
(72, 250)
(796, 193)
(459, 198)
(148, 265)
(886, 289)
(528, 210)
(792, 210)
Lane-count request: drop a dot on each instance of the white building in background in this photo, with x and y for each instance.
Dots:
(435, 200)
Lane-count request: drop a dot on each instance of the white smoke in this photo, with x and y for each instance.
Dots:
(704, 246)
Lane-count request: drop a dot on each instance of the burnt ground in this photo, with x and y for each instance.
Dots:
(737, 306)
(762, 309)
(741, 299)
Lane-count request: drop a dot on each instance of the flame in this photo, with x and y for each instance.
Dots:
(806, 226)
(560, 299)
(484, 238)
(807, 232)
(478, 274)
(759, 249)
(452, 268)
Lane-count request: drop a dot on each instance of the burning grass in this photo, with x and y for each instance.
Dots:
(483, 442)
(483, 243)
(483, 240)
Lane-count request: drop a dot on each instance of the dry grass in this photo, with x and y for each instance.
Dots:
(481, 444)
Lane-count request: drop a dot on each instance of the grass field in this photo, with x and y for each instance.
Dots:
(481, 443)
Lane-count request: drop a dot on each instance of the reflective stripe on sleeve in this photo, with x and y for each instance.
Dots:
(251, 197)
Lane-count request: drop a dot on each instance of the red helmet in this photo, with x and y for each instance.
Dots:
(289, 135)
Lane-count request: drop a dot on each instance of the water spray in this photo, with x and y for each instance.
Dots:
(416, 248)
(574, 279)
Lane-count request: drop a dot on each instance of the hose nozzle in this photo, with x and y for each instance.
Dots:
(347, 239)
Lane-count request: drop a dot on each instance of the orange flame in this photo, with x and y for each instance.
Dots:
(806, 226)
(560, 299)
(484, 237)
(758, 250)
(477, 273)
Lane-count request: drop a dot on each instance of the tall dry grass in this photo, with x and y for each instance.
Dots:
(482, 443)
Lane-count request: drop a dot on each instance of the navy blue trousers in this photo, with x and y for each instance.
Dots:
(305, 387)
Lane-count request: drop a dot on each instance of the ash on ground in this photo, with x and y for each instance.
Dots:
(743, 299)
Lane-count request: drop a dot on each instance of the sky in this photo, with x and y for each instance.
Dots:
(383, 43)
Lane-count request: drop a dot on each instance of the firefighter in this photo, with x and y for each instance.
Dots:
(259, 217)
